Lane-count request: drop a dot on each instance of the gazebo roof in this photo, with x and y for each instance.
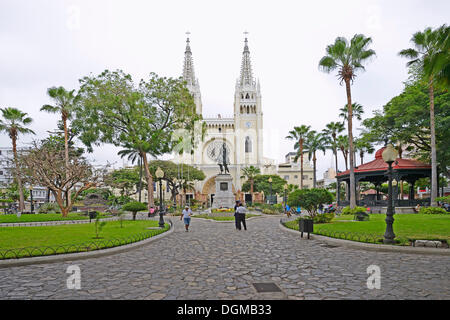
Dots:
(379, 165)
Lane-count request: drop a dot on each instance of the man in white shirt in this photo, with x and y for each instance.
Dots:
(240, 216)
(186, 215)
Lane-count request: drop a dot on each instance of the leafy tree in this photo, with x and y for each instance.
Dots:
(405, 119)
(299, 135)
(249, 173)
(124, 179)
(427, 45)
(261, 183)
(178, 176)
(314, 142)
(46, 166)
(348, 58)
(113, 109)
(12, 192)
(310, 199)
(14, 122)
(134, 207)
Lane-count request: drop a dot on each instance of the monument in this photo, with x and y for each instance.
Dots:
(224, 197)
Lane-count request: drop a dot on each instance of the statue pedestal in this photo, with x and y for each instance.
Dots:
(224, 196)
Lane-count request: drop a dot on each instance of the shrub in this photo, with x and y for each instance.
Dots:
(309, 199)
(134, 207)
(445, 199)
(324, 217)
(432, 210)
(49, 208)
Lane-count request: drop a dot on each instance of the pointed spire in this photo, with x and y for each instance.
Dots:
(188, 69)
(246, 78)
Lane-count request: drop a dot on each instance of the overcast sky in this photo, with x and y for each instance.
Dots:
(56, 42)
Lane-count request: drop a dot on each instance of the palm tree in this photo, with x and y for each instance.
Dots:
(363, 146)
(348, 59)
(342, 142)
(427, 47)
(13, 123)
(134, 155)
(249, 173)
(299, 134)
(357, 111)
(439, 64)
(331, 130)
(314, 142)
(64, 104)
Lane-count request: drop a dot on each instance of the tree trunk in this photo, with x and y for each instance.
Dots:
(60, 201)
(336, 160)
(361, 155)
(66, 151)
(434, 176)
(350, 142)
(18, 179)
(251, 188)
(314, 166)
(301, 163)
(149, 177)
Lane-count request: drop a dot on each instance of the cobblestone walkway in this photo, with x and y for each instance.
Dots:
(215, 261)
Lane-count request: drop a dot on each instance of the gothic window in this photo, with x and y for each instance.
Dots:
(248, 109)
(248, 145)
(242, 96)
(247, 96)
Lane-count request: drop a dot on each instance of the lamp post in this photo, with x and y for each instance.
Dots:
(159, 175)
(31, 199)
(285, 198)
(270, 197)
(389, 155)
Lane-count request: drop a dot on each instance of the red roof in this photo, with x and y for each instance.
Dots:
(379, 165)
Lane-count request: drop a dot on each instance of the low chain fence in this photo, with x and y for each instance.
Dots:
(26, 252)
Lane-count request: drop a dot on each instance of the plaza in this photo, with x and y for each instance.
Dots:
(214, 261)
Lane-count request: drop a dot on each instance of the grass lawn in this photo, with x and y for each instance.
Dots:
(406, 226)
(12, 218)
(224, 218)
(70, 237)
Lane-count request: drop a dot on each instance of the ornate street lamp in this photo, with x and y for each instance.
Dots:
(389, 155)
(31, 199)
(159, 175)
(175, 180)
(270, 197)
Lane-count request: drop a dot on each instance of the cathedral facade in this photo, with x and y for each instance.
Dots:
(242, 134)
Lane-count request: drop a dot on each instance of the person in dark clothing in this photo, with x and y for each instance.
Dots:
(236, 219)
(240, 214)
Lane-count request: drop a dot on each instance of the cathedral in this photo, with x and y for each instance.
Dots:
(242, 135)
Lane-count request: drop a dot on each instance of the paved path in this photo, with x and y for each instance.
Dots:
(215, 261)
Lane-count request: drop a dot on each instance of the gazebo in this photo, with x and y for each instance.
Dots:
(407, 170)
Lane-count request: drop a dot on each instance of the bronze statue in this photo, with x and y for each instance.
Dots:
(224, 165)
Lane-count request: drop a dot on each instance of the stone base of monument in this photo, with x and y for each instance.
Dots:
(224, 197)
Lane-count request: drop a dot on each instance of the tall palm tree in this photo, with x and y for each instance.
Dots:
(342, 142)
(357, 111)
(331, 130)
(299, 134)
(64, 104)
(314, 142)
(250, 173)
(348, 58)
(439, 64)
(13, 123)
(427, 45)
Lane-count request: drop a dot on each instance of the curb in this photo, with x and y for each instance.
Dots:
(84, 255)
(370, 246)
(50, 223)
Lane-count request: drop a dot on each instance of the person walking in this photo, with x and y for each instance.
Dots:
(240, 214)
(236, 219)
(186, 215)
